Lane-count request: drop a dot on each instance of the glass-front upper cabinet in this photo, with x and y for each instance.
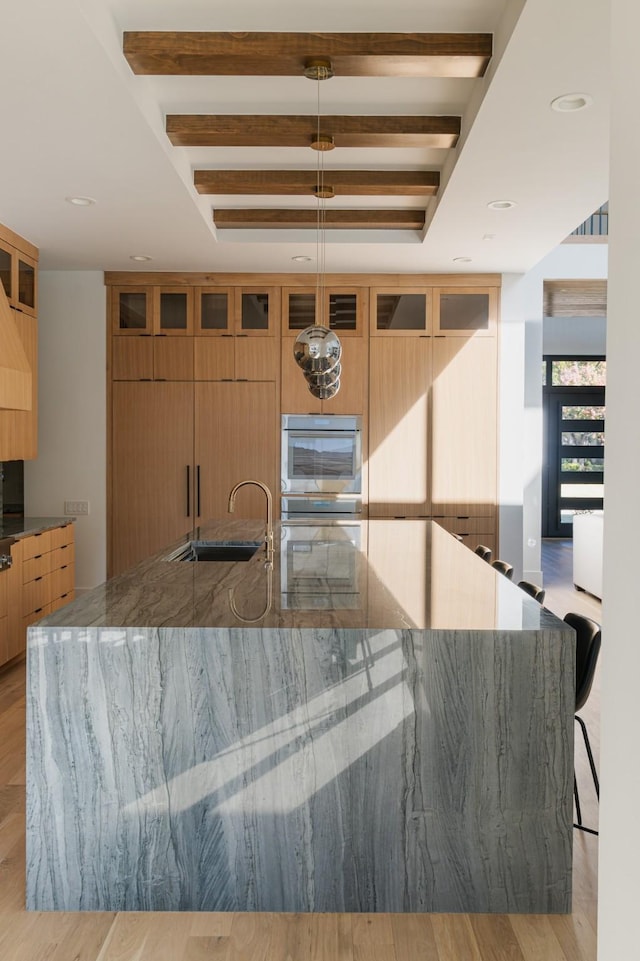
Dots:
(152, 310)
(19, 278)
(6, 270)
(214, 311)
(173, 310)
(465, 311)
(342, 309)
(403, 312)
(131, 310)
(256, 311)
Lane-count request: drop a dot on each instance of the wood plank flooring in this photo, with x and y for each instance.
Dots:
(288, 937)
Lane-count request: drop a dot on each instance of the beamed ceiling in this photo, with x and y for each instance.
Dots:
(190, 124)
(326, 56)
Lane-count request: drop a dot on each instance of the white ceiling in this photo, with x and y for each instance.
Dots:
(76, 121)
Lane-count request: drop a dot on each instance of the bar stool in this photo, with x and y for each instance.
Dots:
(537, 593)
(483, 552)
(503, 568)
(588, 642)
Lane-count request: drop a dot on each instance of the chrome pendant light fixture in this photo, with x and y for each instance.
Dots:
(317, 349)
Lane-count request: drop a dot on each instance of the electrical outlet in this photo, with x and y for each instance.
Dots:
(76, 507)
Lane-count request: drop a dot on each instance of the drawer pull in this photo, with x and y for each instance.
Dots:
(38, 578)
(64, 595)
(37, 610)
(37, 557)
(64, 567)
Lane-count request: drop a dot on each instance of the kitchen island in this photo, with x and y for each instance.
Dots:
(380, 722)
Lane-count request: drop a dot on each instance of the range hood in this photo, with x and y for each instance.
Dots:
(15, 371)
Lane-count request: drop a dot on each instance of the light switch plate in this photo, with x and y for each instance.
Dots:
(76, 507)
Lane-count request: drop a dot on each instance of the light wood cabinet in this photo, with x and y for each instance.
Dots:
(400, 312)
(465, 311)
(235, 431)
(40, 580)
(399, 395)
(19, 278)
(464, 427)
(139, 310)
(341, 309)
(151, 469)
(19, 271)
(19, 428)
(152, 358)
(237, 357)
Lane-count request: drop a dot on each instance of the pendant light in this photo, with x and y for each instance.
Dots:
(317, 349)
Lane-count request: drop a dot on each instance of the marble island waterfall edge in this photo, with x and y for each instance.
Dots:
(292, 767)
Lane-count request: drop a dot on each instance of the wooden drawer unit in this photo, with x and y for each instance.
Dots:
(36, 544)
(61, 582)
(36, 567)
(36, 595)
(61, 537)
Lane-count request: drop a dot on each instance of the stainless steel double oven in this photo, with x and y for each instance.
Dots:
(321, 465)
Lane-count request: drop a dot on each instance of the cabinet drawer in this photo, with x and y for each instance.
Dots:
(467, 525)
(35, 616)
(36, 567)
(62, 557)
(61, 581)
(61, 601)
(36, 595)
(61, 536)
(36, 544)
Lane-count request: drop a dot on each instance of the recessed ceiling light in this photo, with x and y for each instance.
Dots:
(140, 257)
(301, 259)
(462, 260)
(80, 201)
(570, 102)
(502, 204)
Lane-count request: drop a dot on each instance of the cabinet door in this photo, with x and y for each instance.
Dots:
(214, 358)
(352, 396)
(256, 311)
(26, 283)
(173, 311)
(299, 308)
(6, 270)
(19, 428)
(131, 310)
(464, 452)
(236, 439)
(400, 312)
(399, 387)
(152, 453)
(295, 396)
(214, 311)
(172, 358)
(132, 358)
(465, 311)
(256, 358)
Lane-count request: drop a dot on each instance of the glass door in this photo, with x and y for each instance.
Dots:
(575, 432)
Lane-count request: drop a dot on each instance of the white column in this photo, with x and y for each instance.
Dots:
(619, 877)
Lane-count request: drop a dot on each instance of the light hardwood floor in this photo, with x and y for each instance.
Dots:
(287, 937)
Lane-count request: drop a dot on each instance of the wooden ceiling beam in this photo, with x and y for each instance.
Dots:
(264, 218)
(280, 130)
(285, 54)
(394, 183)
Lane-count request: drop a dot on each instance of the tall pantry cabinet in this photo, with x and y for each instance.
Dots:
(192, 412)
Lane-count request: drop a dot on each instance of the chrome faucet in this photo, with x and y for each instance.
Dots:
(268, 536)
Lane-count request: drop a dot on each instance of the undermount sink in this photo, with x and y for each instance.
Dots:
(216, 551)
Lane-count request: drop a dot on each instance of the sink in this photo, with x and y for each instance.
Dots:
(216, 551)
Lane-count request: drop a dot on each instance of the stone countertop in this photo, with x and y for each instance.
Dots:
(18, 527)
(396, 574)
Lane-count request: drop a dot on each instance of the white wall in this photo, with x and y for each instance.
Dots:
(619, 879)
(568, 261)
(71, 462)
